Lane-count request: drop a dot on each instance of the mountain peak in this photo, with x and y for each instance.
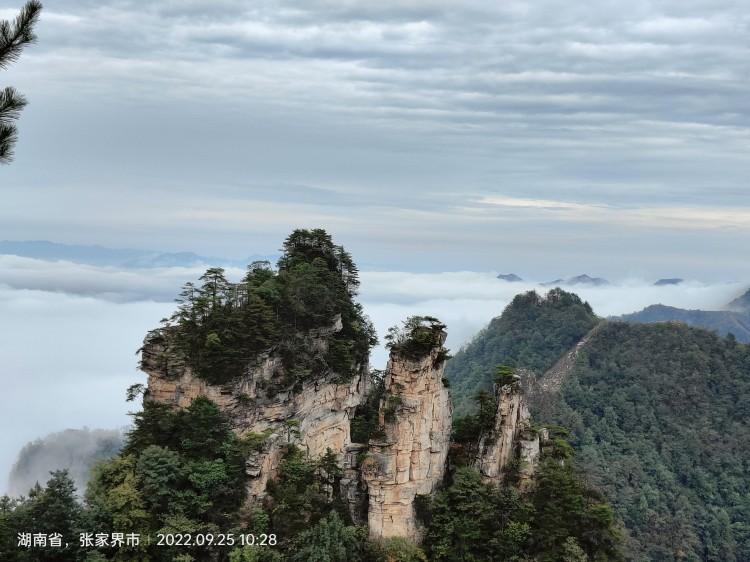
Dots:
(509, 277)
(668, 281)
(741, 303)
(582, 279)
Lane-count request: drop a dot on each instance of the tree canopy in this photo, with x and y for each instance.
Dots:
(220, 327)
(532, 333)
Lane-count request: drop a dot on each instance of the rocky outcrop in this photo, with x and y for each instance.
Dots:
(379, 481)
(511, 437)
(555, 376)
(415, 414)
(260, 402)
(353, 487)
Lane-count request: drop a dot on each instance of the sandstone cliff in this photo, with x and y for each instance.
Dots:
(407, 456)
(410, 458)
(510, 438)
(258, 402)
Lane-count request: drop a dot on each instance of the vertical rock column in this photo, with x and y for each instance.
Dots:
(510, 437)
(410, 457)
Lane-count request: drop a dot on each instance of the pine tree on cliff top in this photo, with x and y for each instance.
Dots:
(14, 36)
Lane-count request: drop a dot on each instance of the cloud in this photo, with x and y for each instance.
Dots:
(467, 301)
(70, 331)
(654, 217)
(221, 125)
(107, 283)
(66, 362)
(72, 450)
(545, 138)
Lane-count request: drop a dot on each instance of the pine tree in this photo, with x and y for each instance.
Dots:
(14, 36)
(54, 509)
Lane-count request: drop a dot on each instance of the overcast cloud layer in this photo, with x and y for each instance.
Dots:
(426, 135)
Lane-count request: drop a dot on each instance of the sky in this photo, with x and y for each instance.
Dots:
(440, 142)
(545, 138)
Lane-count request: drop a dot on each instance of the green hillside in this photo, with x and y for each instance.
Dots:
(660, 419)
(532, 332)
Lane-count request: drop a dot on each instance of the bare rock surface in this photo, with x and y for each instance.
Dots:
(257, 402)
(416, 415)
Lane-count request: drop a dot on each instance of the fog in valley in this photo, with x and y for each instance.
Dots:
(70, 332)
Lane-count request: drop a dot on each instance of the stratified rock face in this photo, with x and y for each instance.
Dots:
(257, 403)
(510, 437)
(416, 416)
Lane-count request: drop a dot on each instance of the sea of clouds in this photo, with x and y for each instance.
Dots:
(69, 332)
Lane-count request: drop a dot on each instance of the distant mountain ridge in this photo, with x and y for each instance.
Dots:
(735, 320)
(669, 281)
(583, 279)
(741, 303)
(510, 277)
(75, 450)
(115, 257)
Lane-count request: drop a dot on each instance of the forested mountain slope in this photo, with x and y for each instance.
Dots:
(660, 415)
(532, 332)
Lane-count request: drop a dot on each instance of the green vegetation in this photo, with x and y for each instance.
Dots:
(221, 327)
(505, 375)
(52, 509)
(303, 494)
(417, 336)
(472, 520)
(661, 417)
(532, 333)
(180, 471)
(365, 423)
(14, 36)
(304, 509)
(184, 470)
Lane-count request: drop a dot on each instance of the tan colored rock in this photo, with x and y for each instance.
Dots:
(322, 407)
(510, 437)
(416, 416)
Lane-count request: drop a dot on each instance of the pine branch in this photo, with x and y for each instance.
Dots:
(11, 104)
(8, 135)
(14, 37)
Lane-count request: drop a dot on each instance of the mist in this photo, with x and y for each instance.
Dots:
(69, 333)
(65, 363)
(467, 301)
(75, 450)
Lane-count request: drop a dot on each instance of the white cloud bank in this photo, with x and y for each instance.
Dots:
(467, 301)
(65, 362)
(66, 359)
